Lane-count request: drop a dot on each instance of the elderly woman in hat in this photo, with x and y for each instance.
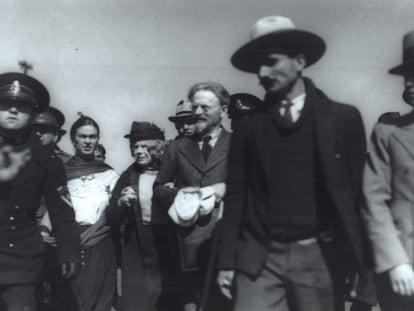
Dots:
(90, 183)
(144, 225)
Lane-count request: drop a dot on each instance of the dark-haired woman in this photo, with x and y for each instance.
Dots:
(90, 183)
(145, 249)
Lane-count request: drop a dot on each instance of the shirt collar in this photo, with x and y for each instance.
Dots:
(299, 101)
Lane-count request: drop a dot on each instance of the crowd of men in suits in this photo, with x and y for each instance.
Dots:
(286, 212)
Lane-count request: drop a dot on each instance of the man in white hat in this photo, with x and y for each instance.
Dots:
(290, 232)
(389, 189)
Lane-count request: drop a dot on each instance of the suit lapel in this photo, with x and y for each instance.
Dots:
(190, 151)
(262, 125)
(324, 124)
(406, 139)
(219, 151)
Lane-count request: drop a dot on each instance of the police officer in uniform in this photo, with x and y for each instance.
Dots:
(388, 190)
(242, 104)
(54, 292)
(21, 246)
(48, 126)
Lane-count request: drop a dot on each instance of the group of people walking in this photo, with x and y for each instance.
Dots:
(291, 210)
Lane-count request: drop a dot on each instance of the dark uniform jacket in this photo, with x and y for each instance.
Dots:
(21, 245)
(340, 150)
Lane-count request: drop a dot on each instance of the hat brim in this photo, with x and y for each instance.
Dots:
(401, 70)
(41, 93)
(180, 118)
(292, 40)
(144, 137)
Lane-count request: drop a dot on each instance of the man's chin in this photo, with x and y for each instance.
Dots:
(87, 153)
(201, 126)
(12, 126)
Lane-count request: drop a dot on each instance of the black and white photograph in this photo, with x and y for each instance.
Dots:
(207, 155)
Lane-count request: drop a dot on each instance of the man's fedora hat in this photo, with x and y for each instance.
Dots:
(144, 131)
(242, 103)
(51, 117)
(408, 56)
(280, 34)
(24, 88)
(182, 110)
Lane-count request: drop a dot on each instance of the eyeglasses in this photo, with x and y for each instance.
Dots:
(204, 108)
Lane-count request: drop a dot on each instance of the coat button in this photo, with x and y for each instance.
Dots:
(17, 207)
(13, 228)
(11, 245)
(11, 218)
(337, 155)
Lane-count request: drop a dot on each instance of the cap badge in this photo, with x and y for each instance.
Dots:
(15, 88)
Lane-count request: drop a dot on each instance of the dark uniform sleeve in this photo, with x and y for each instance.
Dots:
(61, 213)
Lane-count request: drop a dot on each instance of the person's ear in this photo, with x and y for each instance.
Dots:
(300, 62)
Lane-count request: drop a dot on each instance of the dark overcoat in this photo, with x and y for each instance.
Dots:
(21, 245)
(144, 248)
(340, 151)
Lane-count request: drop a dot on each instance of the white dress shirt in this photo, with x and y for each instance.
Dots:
(297, 106)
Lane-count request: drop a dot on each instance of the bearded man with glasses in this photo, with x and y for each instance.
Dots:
(196, 167)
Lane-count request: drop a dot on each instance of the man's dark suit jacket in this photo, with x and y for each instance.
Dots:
(183, 164)
(340, 146)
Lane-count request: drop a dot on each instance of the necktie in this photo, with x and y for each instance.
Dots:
(206, 148)
(286, 114)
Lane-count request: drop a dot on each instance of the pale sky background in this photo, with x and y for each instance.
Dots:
(119, 61)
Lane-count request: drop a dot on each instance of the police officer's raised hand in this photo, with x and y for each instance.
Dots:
(225, 282)
(402, 279)
(11, 161)
(70, 270)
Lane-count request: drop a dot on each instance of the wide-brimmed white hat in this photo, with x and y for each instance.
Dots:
(280, 34)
